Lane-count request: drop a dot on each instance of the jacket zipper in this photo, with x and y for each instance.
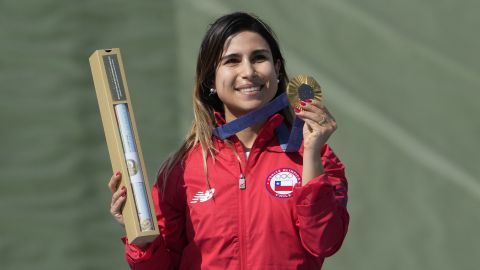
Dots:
(243, 251)
(242, 185)
(241, 182)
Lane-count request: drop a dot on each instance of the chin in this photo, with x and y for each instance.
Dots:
(250, 107)
(243, 106)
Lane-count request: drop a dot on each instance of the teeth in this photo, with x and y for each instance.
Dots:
(250, 89)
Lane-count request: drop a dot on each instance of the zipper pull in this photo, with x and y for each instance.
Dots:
(242, 182)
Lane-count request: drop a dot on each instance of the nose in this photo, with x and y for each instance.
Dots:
(248, 70)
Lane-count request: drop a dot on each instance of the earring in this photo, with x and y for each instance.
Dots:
(278, 80)
(213, 91)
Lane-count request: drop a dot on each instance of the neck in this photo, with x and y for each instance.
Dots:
(247, 136)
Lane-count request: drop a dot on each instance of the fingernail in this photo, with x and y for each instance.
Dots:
(308, 100)
(295, 109)
(303, 103)
(118, 173)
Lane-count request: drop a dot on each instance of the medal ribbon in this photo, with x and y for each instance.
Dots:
(289, 142)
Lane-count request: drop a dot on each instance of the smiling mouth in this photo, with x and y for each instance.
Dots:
(250, 90)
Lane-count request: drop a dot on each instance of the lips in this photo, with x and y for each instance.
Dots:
(250, 89)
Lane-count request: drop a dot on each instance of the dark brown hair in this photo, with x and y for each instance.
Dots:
(204, 104)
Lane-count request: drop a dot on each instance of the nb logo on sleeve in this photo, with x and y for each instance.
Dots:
(203, 196)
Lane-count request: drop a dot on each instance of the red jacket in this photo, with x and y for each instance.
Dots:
(274, 223)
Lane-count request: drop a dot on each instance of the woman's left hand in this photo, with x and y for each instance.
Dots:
(319, 124)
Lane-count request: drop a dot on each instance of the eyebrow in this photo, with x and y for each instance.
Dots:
(234, 55)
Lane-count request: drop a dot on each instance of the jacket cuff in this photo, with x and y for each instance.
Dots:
(315, 198)
(135, 253)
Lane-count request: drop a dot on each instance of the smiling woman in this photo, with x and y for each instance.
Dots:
(246, 77)
(227, 203)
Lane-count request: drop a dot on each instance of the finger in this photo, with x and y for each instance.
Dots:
(314, 125)
(323, 131)
(331, 120)
(325, 110)
(117, 212)
(115, 181)
(317, 123)
(328, 113)
(120, 192)
(314, 116)
(116, 207)
(314, 102)
(311, 106)
(320, 109)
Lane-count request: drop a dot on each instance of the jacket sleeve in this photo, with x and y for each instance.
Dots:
(165, 251)
(322, 216)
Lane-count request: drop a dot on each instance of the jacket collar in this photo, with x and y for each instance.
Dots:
(219, 118)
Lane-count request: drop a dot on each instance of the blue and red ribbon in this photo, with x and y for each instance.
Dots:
(289, 141)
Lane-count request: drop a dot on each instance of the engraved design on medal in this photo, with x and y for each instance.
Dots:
(303, 87)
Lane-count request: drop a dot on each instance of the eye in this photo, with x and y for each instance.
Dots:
(231, 61)
(260, 58)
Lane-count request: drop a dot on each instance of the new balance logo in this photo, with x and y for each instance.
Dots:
(203, 196)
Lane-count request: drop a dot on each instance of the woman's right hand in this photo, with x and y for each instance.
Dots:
(119, 195)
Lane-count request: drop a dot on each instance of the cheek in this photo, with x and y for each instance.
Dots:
(269, 71)
(270, 75)
(223, 78)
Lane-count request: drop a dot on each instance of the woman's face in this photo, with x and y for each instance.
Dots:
(246, 77)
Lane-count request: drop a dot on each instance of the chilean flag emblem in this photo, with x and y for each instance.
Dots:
(284, 185)
(281, 182)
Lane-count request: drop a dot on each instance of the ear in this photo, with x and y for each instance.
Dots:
(278, 65)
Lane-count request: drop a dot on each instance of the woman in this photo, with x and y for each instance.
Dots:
(241, 203)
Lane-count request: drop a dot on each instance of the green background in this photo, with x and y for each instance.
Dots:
(401, 77)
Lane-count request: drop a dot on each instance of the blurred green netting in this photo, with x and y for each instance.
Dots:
(401, 77)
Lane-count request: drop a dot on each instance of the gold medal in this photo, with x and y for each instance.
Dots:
(303, 87)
